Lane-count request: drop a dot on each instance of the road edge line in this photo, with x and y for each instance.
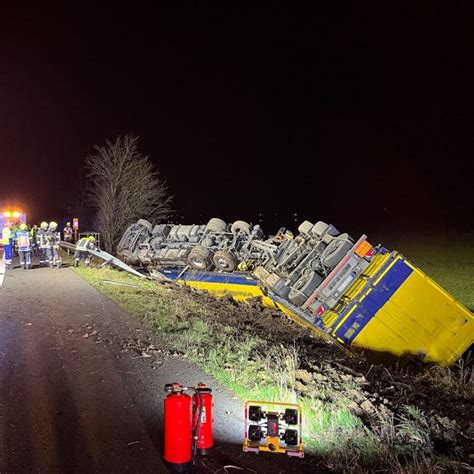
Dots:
(2, 269)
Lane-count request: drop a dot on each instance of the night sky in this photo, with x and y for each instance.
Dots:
(359, 116)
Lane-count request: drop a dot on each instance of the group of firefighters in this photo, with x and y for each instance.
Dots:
(42, 241)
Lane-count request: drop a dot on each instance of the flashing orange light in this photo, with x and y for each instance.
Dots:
(364, 249)
(16, 214)
(7, 214)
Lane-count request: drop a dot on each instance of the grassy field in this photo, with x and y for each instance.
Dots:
(263, 356)
(448, 260)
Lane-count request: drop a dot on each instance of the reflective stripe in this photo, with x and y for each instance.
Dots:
(6, 235)
(23, 239)
(384, 288)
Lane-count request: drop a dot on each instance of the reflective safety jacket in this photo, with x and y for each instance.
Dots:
(23, 240)
(54, 238)
(68, 233)
(42, 239)
(6, 235)
(85, 244)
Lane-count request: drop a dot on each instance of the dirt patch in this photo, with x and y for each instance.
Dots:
(409, 394)
(363, 415)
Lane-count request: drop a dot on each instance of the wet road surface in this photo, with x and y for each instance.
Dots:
(63, 404)
(76, 394)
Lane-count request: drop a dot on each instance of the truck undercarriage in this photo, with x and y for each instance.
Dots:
(353, 292)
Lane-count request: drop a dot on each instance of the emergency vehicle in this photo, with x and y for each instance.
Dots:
(15, 216)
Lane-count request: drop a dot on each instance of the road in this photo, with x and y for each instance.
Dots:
(77, 393)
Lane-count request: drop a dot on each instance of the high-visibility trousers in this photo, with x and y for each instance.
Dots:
(42, 256)
(25, 258)
(7, 249)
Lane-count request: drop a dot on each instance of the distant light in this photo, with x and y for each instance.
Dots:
(16, 214)
(7, 214)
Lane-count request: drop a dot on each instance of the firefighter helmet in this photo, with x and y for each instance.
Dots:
(53, 225)
(44, 225)
(23, 227)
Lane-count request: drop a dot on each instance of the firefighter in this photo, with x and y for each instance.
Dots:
(13, 231)
(34, 246)
(68, 233)
(81, 250)
(23, 240)
(53, 237)
(42, 243)
(7, 242)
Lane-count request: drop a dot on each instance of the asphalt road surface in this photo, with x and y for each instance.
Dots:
(81, 390)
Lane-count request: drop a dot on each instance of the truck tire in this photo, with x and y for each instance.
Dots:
(299, 295)
(145, 223)
(336, 250)
(240, 226)
(215, 225)
(305, 227)
(280, 289)
(282, 292)
(199, 258)
(319, 228)
(224, 261)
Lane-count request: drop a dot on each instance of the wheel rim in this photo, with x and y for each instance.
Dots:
(197, 263)
(223, 263)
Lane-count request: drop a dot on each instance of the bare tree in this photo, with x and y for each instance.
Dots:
(124, 186)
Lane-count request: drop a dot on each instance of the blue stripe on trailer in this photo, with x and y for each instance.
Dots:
(354, 302)
(377, 298)
(210, 277)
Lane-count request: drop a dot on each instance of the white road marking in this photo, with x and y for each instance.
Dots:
(2, 269)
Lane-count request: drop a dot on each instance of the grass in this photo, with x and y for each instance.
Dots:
(449, 260)
(232, 357)
(256, 368)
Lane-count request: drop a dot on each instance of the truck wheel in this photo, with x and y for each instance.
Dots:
(281, 290)
(319, 228)
(240, 226)
(215, 225)
(305, 227)
(145, 223)
(336, 250)
(310, 283)
(199, 258)
(224, 261)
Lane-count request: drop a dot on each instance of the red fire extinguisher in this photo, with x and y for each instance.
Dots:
(178, 428)
(187, 425)
(203, 418)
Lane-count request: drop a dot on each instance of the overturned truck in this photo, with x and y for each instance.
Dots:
(346, 290)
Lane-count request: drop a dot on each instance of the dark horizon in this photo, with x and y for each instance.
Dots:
(360, 117)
